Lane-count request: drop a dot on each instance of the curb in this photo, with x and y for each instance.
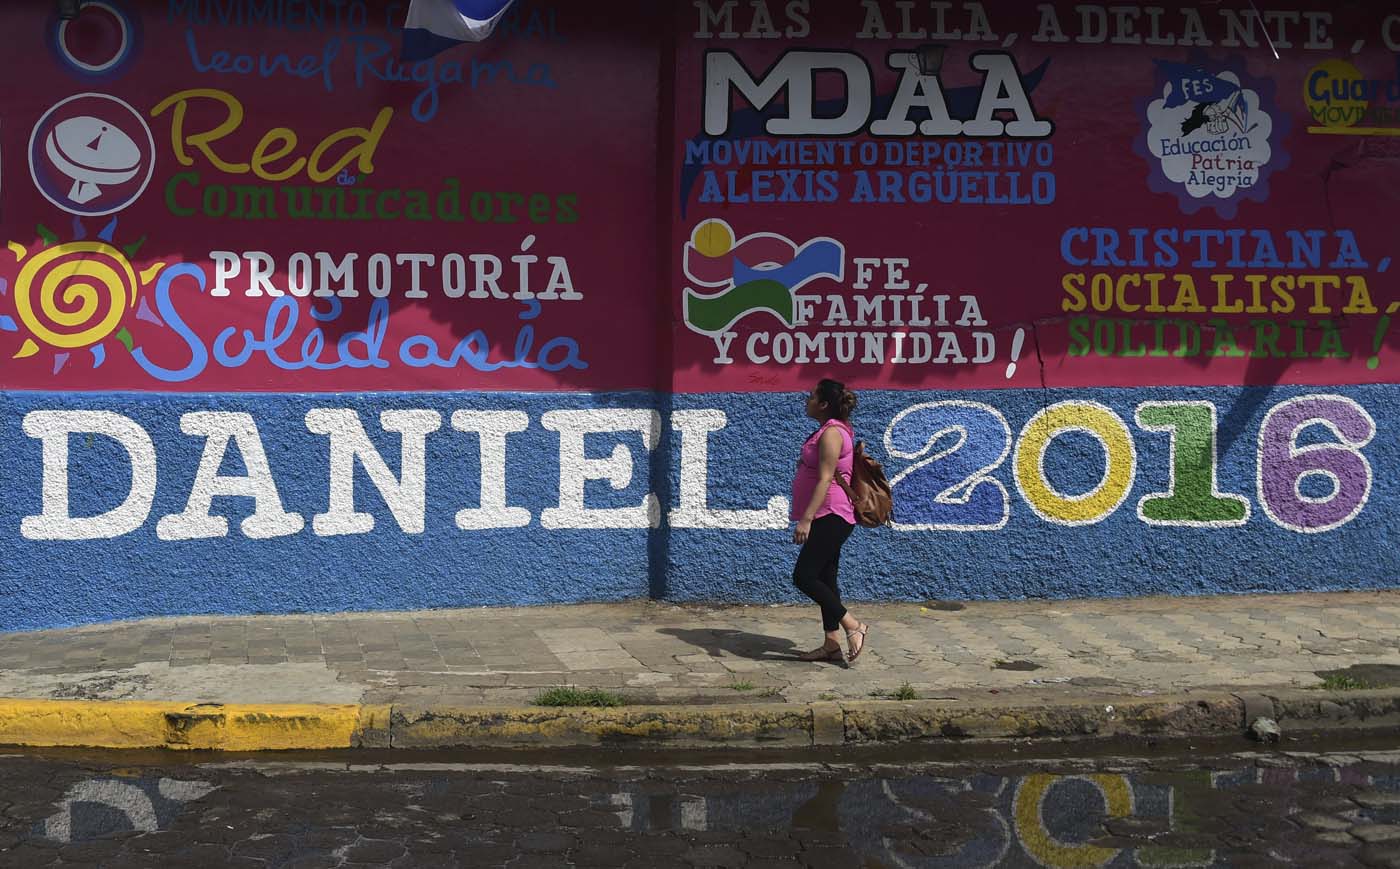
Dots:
(191, 726)
(278, 727)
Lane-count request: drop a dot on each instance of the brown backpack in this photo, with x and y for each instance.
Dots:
(868, 489)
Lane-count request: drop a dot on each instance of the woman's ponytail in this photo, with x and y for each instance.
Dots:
(847, 406)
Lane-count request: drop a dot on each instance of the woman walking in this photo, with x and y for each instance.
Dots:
(825, 517)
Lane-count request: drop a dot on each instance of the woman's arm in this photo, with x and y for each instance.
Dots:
(829, 453)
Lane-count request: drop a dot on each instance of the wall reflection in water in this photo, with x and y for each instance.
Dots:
(1085, 819)
(99, 807)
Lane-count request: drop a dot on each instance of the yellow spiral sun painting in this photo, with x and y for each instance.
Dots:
(75, 294)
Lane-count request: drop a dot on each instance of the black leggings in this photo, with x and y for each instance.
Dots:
(815, 573)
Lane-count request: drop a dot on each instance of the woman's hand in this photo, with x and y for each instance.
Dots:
(804, 527)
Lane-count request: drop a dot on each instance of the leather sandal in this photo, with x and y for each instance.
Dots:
(863, 630)
(821, 653)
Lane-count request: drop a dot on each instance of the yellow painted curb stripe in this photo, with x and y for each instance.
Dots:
(223, 727)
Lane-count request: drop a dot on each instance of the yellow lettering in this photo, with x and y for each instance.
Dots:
(1186, 299)
(277, 144)
(1072, 284)
(1319, 284)
(1360, 302)
(1124, 282)
(1282, 285)
(201, 141)
(1256, 293)
(1222, 294)
(1154, 288)
(1101, 292)
(363, 152)
(283, 140)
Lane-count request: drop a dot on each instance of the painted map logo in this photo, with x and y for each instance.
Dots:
(758, 274)
(1210, 138)
(91, 155)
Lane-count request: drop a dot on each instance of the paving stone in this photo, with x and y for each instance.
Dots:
(1384, 855)
(612, 855)
(1337, 838)
(374, 851)
(1323, 822)
(547, 842)
(1376, 832)
(272, 848)
(537, 861)
(715, 855)
(314, 861)
(830, 858)
(770, 848)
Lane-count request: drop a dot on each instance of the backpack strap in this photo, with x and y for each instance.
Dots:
(856, 449)
(845, 487)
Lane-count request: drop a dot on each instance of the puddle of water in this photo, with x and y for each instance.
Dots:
(1186, 807)
(101, 807)
(1053, 817)
(945, 606)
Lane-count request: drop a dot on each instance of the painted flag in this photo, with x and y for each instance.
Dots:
(1191, 84)
(755, 252)
(819, 257)
(768, 288)
(434, 26)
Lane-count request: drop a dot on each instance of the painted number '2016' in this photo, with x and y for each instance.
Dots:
(955, 446)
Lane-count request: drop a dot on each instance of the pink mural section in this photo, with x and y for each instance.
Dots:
(244, 196)
(974, 196)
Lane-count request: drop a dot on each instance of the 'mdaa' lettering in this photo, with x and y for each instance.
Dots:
(1002, 91)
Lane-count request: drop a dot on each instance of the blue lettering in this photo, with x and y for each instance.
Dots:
(1316, 93)
(1067, 241)
(199, 357)
(308, 66)
(281, 322)
(421, 351)
(356, 349)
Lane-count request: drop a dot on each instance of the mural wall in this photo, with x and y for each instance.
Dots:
(1114, 282)
(290, 324)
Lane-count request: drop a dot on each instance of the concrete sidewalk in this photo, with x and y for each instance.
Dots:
(1056, 668)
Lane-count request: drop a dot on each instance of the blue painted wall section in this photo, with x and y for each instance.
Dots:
(56, 582)
(1005, 494)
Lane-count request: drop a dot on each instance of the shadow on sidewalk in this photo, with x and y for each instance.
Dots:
(740, 644)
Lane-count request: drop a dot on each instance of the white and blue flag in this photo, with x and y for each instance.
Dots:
(437, 25)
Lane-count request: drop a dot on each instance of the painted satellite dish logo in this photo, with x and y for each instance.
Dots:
(91, 155)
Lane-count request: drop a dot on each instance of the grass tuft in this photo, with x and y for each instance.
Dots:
(742, 686)
(571, 696)
(1338, 682)
(903, 692)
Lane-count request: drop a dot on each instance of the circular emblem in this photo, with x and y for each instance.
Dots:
(99, 43)
(91, 154)
(75, 294)
(1212, 134)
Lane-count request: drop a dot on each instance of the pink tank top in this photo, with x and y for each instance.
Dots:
(808, 469)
